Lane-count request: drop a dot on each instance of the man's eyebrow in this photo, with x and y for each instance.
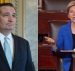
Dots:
(14, 13)
(8, 12)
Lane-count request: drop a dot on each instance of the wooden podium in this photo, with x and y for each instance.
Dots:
(64, 53)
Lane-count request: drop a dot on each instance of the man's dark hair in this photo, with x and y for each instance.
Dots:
(6, 4)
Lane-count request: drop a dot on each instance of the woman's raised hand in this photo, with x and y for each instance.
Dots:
(50, 41)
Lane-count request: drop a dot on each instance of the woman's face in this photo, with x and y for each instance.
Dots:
(71, 14)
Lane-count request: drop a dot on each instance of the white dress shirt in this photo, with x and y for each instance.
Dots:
(10, 41)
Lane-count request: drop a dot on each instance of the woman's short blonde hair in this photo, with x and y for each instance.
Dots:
(72, 3)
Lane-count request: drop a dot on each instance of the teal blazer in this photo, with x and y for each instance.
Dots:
(65, 42)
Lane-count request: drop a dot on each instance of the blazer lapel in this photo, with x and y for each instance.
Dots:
(4, 65)
(15, 54)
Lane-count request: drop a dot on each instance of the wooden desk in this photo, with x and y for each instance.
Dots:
(46, 60)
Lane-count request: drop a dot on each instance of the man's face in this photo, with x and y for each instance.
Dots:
(71, 14)
(7, 18)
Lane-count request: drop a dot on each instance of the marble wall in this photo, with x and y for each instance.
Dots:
(31, 28)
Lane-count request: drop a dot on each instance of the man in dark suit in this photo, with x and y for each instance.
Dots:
(20, 59)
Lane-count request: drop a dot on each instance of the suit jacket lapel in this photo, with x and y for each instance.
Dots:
(15, 54)
(3, 59)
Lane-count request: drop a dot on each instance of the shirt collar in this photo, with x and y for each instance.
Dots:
(9, 36)
(3, 36)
